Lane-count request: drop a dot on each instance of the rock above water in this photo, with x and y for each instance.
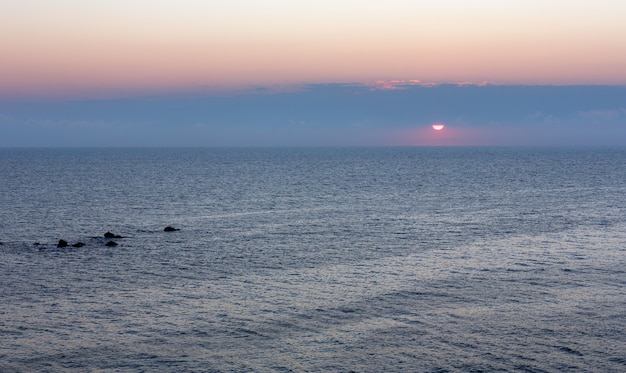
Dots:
(170, 229)
(62, 243)
(111, 235)
(111, 243)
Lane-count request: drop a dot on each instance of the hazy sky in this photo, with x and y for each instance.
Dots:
(85, 50)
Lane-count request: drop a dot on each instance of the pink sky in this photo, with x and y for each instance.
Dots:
(71, 47)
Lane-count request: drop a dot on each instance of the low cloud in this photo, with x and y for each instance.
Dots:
(604, 116)
(396, 84)
(329, 114)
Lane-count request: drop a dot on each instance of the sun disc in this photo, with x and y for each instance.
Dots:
(438, 126)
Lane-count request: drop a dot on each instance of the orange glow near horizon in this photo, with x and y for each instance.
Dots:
(454, 136)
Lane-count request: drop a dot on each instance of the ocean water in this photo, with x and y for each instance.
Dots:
(313, 259)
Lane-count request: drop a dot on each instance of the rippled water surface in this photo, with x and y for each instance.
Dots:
(354, 259)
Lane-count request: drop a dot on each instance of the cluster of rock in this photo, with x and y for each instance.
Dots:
(63, 243)
(108, 235)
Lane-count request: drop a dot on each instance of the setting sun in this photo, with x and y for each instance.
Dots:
(438, 126)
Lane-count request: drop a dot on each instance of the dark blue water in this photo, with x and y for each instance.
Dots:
(331, 259)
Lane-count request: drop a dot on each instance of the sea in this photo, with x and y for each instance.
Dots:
(374, 259)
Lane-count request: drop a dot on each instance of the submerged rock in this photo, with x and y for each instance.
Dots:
(78, 244)
(111, 235)
(62, 243)
(170, 229)
(111, 243)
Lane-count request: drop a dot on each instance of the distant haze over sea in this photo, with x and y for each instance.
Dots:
(379, 114)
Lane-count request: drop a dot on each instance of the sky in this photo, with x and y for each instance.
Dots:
(71, 70)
